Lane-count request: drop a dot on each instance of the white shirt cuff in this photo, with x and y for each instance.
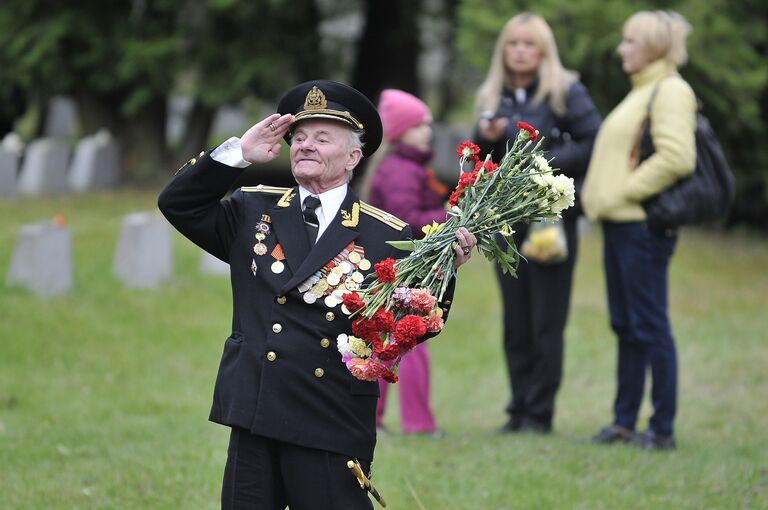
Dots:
(230, 153)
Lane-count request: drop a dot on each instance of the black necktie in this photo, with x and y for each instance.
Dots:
(311, 204)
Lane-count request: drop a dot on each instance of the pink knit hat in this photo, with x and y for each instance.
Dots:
(400, 111)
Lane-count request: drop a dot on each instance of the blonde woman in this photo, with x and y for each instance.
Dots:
(636, 257)
(526, 82)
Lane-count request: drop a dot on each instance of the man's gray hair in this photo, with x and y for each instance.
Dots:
(356, 138)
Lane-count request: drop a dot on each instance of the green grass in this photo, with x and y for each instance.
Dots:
(104, 393)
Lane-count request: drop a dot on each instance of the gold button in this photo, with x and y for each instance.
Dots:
(329, 316)
(277, 328)
(281, 300)
(447, 301)
(445, 310)
(202, 153)
(325, 343)
(192, 161)
(271, 356)
(319, 372)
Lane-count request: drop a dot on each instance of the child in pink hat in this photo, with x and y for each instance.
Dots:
(404, 186)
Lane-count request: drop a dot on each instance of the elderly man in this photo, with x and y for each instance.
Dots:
(297, 414)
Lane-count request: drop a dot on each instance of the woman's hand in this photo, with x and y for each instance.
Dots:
(465, 241)
(261, 143)
(492, 129)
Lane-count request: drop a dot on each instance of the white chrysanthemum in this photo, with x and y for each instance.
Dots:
(342, 344)
(564, 184)
(539, 179)
(541, 163)
(567, 193)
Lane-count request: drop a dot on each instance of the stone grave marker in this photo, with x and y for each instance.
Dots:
(9, 164)
(44, 171)
(62, 118)
(96, 164)
(42, 259)
(143, 257)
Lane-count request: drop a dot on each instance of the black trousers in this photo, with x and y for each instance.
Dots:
(535, 314)
(266, 474)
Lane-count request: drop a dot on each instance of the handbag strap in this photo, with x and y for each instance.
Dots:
(634, 156)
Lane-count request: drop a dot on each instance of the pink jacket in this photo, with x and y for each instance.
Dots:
(405, 187)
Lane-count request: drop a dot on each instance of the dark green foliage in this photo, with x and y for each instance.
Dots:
(121, 60)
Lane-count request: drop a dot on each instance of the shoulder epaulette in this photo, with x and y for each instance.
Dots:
(383, 216)
(264, 189)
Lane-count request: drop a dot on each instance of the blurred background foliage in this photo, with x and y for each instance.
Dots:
(122, 61)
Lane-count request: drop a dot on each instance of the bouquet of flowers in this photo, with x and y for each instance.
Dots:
(399, 305)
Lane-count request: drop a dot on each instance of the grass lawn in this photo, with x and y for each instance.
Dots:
(104, 393)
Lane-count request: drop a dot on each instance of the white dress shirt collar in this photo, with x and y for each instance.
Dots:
(330, 203)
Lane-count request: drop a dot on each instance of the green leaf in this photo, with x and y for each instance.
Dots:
(403, 245)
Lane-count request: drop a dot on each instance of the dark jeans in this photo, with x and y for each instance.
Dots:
(535, 313)
(636, 261)
(265, 474)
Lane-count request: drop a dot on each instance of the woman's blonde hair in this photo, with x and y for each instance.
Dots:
(661, 33)
(554, 79)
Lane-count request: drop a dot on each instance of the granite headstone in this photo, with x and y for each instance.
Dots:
(96, 164)
(42, 259)
(143, 257)
(44, 171)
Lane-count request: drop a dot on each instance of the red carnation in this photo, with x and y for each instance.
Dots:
(532, 133)
(384, 321)
(389, 352)
(353, 302)
(453, 200)
(409, 328)
(468, 151)
(406, 344)
(389, 376)
(365, 329)
(385, 270)
(465, 180)
(489, 165)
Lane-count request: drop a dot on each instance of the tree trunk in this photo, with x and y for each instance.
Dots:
(195, 133)
(389, 48)
(446, 96)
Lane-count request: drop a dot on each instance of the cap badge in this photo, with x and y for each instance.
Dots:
(315, 100)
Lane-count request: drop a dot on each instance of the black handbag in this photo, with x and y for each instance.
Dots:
(705, 195)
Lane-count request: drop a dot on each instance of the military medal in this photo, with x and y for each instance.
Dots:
(333, 279)
(331, 301)
(253, 266)
(337, 277)
(260, 249)
(320, 287)
(277, 253)
(262, 231)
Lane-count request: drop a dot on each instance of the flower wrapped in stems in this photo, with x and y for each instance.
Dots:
(487, 201)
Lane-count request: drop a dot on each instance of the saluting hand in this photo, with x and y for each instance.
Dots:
(261, 143)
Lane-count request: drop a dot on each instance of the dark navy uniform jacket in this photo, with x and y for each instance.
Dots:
(281, 375)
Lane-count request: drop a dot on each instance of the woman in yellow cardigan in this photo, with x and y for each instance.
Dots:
(635, 257)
